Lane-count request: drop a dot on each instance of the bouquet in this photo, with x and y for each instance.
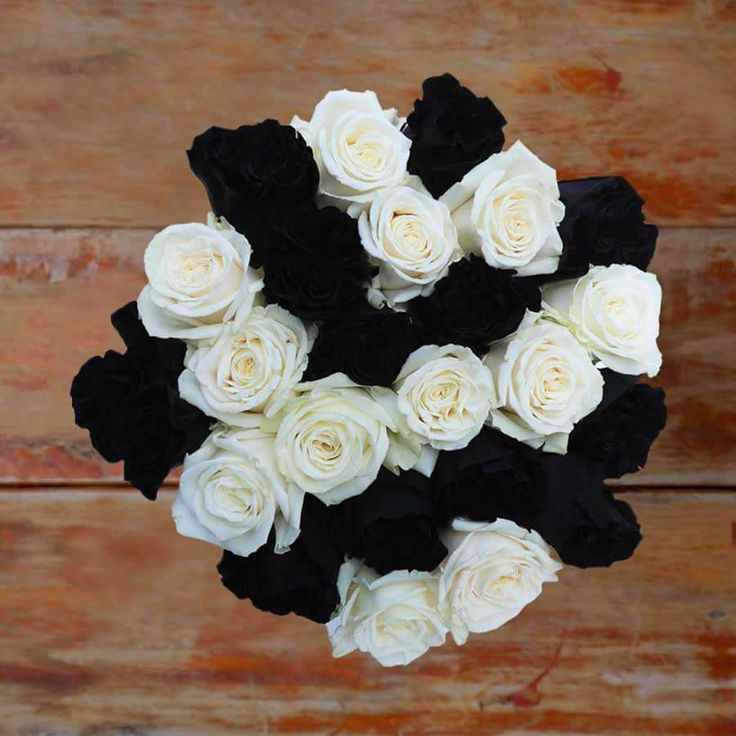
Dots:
(397, 363)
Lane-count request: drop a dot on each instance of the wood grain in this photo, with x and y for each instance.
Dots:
(112, 624)
(58, 288)
(100, 100)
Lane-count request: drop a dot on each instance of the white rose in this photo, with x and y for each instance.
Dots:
(231, 494)
(358, 146)
(332, 439)
(614, 312)
(546, 382)
(508, 209)
(249, 370)
(445, 394)
(394, 618)
(198, 277)
(491, 573)
(411, 238)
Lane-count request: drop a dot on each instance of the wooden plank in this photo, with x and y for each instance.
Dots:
(58, 287)
(112, 624)
(100, 100)
(57, 291)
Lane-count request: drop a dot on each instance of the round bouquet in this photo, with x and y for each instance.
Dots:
(397, 363)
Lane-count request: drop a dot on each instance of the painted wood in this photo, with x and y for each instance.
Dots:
(112, 624)
(58, 288)
(100, 100)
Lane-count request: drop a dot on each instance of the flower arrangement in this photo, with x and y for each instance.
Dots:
(397, 363)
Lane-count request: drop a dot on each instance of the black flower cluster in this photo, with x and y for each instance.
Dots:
(315, 265)
(131, 405)
(451, 131)
(474, 305)
(302, 581)
(603, 224)
(348, 346)
(252, 172)
(264, 180)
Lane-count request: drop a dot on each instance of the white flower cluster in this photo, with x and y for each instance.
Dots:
(492, 571)
(278, 438)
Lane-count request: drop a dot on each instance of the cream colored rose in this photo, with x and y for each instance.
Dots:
(411, 238)
(546, 382)
(231, 494)
(614, 312)
(394, 618)
(491, 573)
(358, 146)
(198, 278)
(445, 394)
(332, 439)
(249, 370)
(508, 209)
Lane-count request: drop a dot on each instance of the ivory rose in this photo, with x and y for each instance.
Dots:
(411, 238)
(250, 370)
(546, 382)
(231, 493)
(395, 617)
(358, 146)
(332, 439)
(198, 277)
(492, 572)
(508, 209)
(614, 312)
(445, 394)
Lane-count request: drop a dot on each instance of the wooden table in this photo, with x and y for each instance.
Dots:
(111, 623)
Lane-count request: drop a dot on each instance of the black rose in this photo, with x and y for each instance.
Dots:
(560, 496)
(620, 435)
(581, 519)
(315, 265)
(494, 476)
(615, 385)
(253, 170)
(167, 355)
(391, 525)
(603, 224)
(369, 346)
(473, 305)
(451, 131)
(131, 406)
(301, 581)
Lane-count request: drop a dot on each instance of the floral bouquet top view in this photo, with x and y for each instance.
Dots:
(396, 361)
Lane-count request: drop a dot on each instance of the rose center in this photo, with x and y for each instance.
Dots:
(409, 231)
(517, 227)
(366, 152)
(512, 224)
(234, 499)
(620, 311)
(248, 371)
(245, 366)
(325, 447)
(199, 270)
(553, 383)
(443, 391)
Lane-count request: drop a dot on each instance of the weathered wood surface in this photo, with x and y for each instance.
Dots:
(57, 289)
(101, 99)
(112, 624)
